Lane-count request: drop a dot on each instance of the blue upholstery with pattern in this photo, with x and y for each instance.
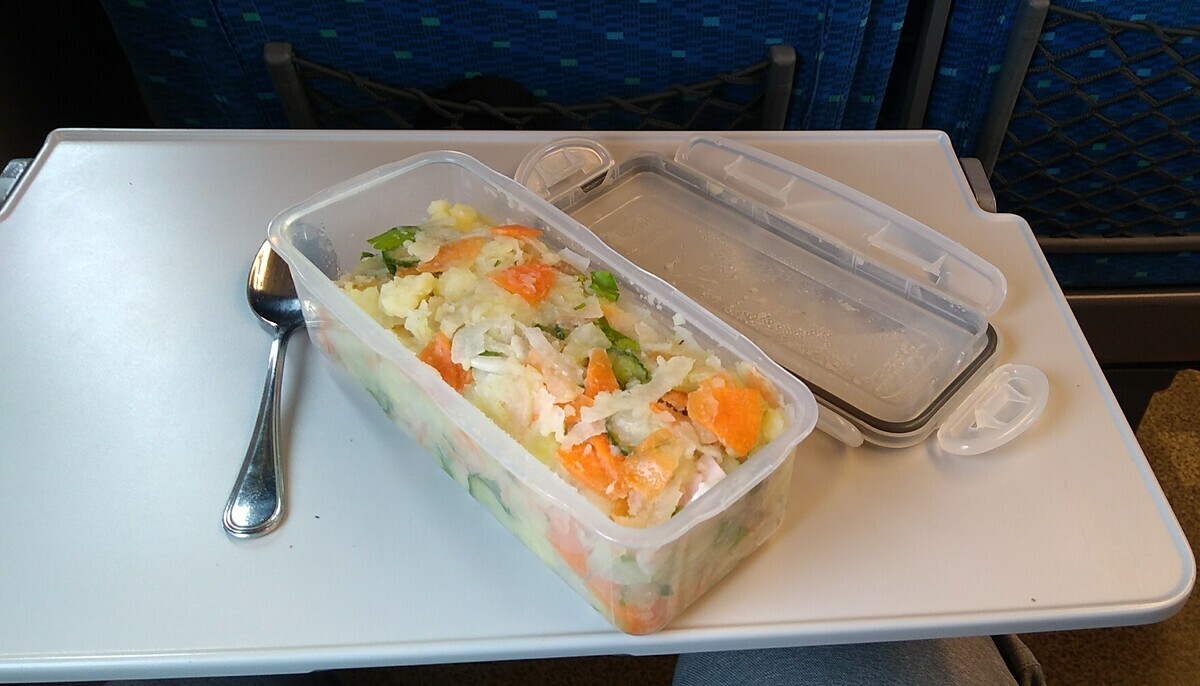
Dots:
(969, 65)
(1104, 138)
(187, 67)
(1122, 271)
(199, 62)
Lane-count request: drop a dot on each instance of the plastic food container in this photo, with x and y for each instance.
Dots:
(637, 578)
(885, 319)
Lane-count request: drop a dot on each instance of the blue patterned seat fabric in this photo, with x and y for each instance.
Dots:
(199, 62)
(1103, 139)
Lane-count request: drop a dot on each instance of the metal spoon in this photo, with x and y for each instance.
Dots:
(255, 506)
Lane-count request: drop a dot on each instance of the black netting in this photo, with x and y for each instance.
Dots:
(344, 100)
(1103, 139)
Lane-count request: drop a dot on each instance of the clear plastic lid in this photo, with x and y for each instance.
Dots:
(859, 222)
(883, 317)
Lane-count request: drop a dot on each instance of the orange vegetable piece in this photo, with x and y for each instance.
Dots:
(516, 231)
(454, 254)
(600, 377)
(581, 401)
(566, 542)
(650, 466)
(661, 406)
(640, 620)
(733, 414)
(676, 400)
(437, 355)
(531, 281)
(633, 610)
(596, 466)
(673, 403)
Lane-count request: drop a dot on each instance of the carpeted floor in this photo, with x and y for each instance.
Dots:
(1164, 654)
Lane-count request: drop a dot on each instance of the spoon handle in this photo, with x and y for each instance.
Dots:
(255, 506)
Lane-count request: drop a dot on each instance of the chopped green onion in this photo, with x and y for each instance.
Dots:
(366, 256)
(491, 353)
(580, 306)
(393, 238)
(604, 285)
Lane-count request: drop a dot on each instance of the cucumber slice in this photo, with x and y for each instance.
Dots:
(627, 367)
(488, 493)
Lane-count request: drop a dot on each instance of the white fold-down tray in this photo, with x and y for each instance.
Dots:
(130, 371)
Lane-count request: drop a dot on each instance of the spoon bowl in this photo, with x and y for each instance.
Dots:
(256, 504)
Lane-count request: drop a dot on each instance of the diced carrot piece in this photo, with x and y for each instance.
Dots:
(595, 465)
(620, 508)
(581, 401)
(531, 281)
(566, 542)
(673, 403)
(676, 400)
(437, 355)
(454, 254)
(650, 466)
(600, 377)
(516, 231)
(632, 609)
(639, 620)
(661, 406)
(734, 415)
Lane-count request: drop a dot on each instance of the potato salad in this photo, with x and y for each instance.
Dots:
(630, 410)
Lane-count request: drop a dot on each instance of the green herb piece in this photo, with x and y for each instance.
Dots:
(393, 264)
(491, 353)
(366, 256)
(580, 306)
(556, 331)
(393, 238)
(604, 285)
(627, 368)
(619, 340)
